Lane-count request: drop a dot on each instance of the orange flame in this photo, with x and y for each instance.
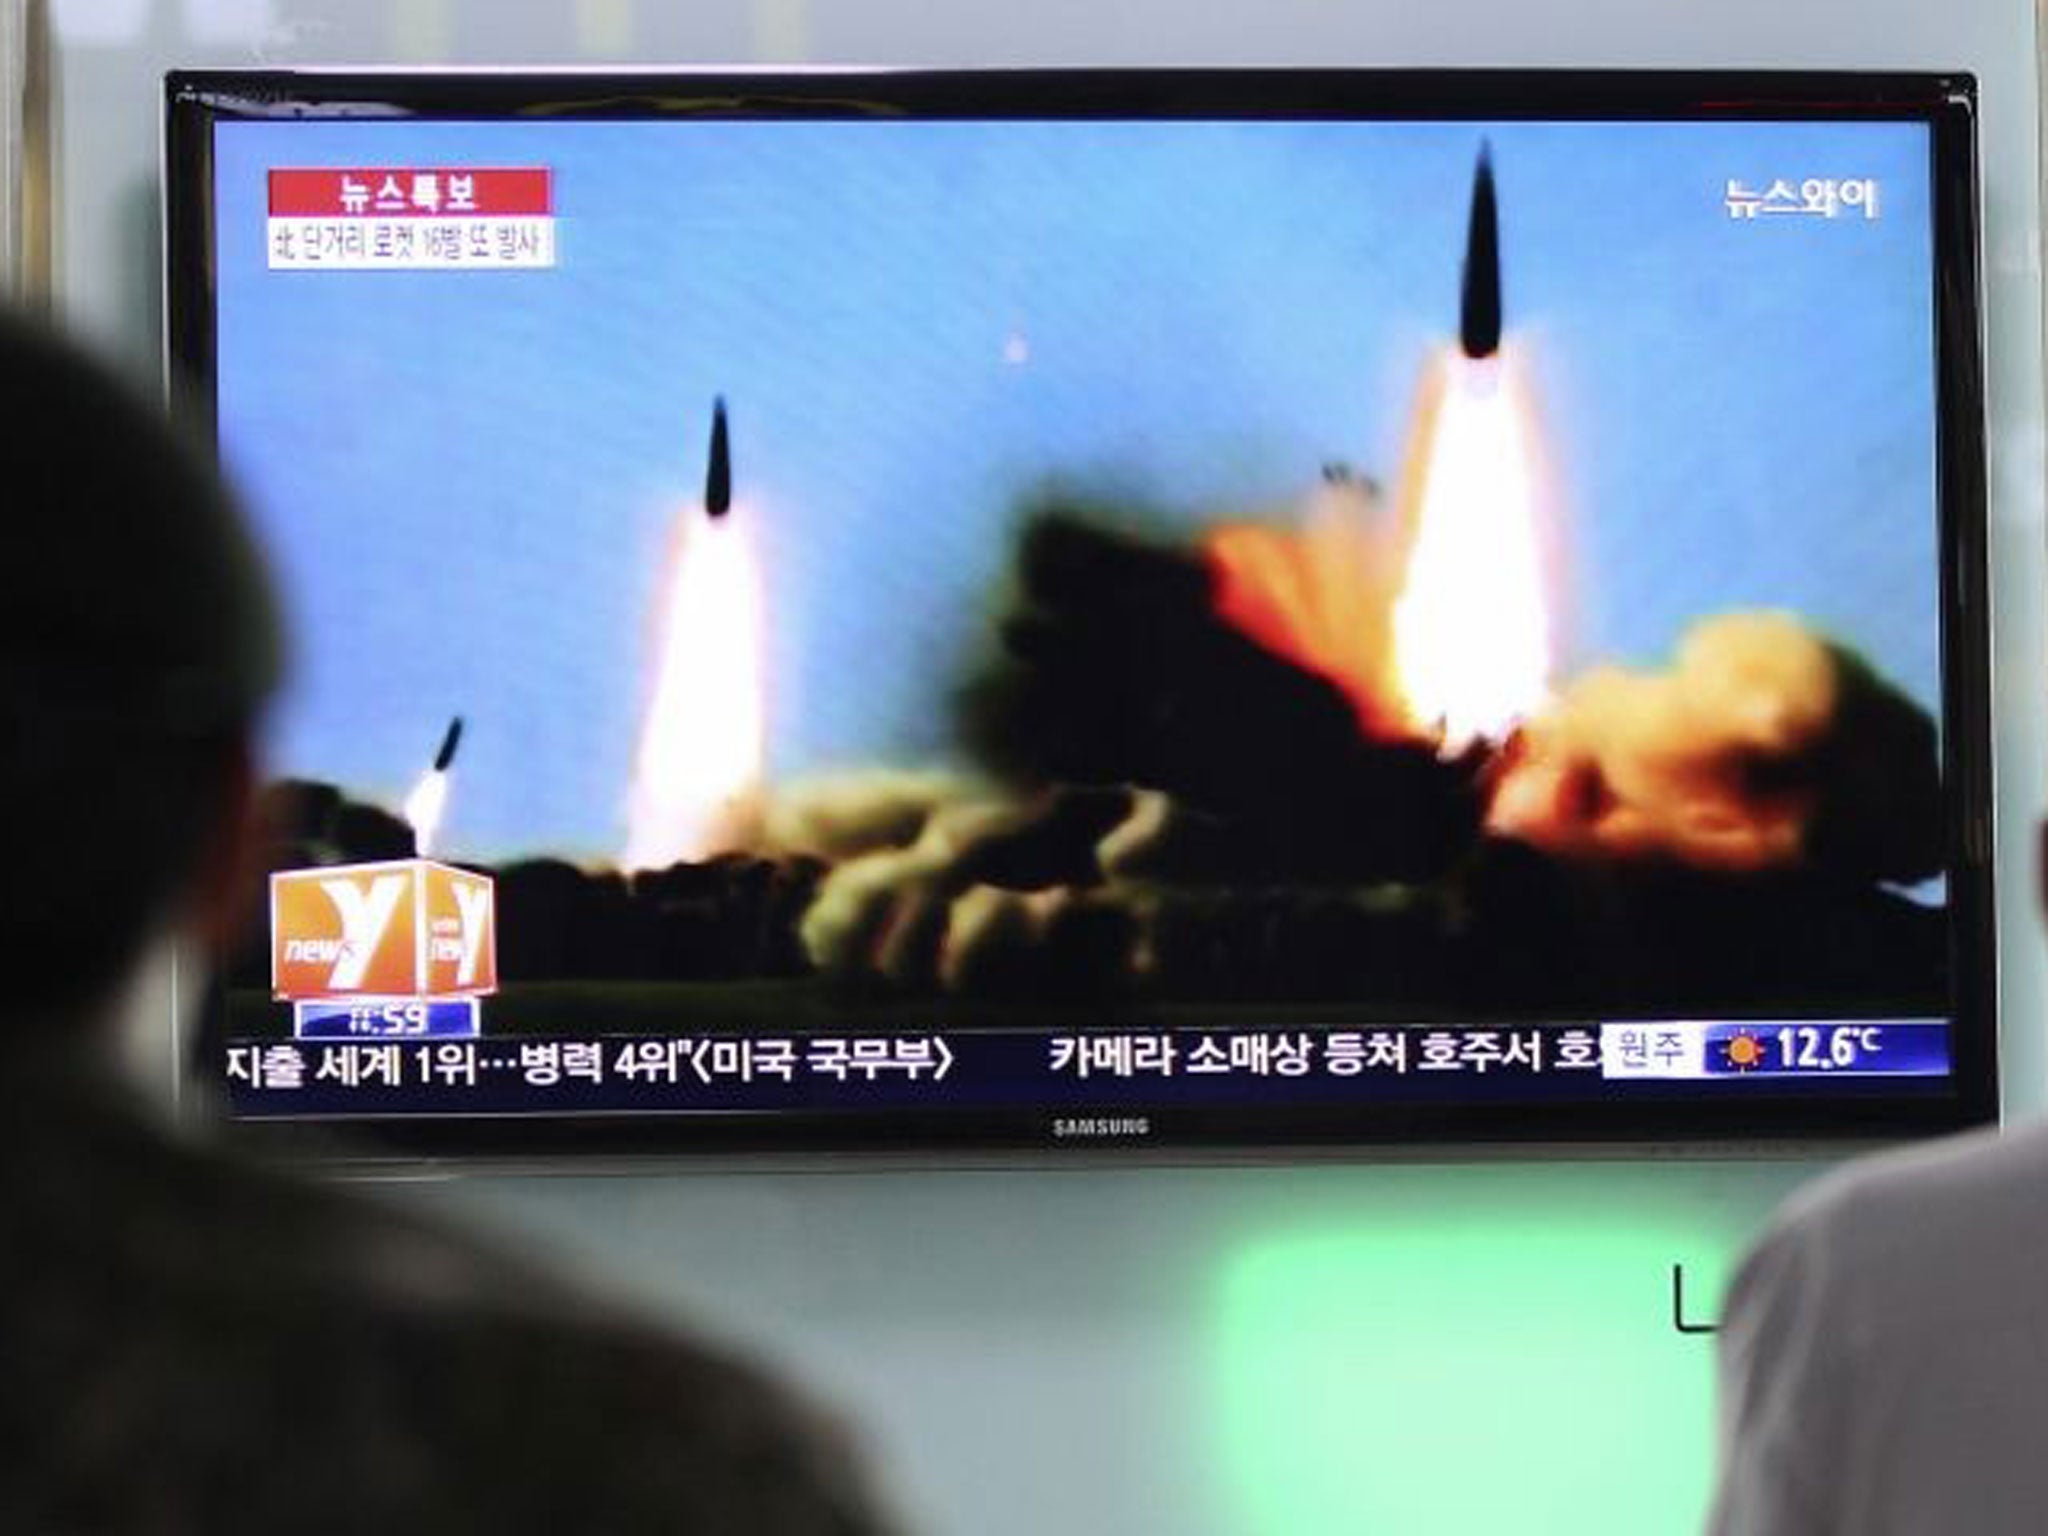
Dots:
(1439, 625)
(697, 778)
(1318, 596)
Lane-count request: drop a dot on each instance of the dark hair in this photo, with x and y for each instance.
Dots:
(138, 644)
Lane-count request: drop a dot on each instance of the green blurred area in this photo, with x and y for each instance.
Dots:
(1473, 1350)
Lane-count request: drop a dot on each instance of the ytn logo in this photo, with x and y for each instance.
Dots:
(407, 928)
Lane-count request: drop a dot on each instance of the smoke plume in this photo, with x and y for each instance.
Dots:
(1764, 746)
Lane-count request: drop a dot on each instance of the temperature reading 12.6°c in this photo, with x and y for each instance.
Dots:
(1811, 1048)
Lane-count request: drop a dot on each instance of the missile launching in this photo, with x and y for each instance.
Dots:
(449, 742)
(1471, 624)
(718, 474)
(428, 802)
(1479, 290)
(698, 773)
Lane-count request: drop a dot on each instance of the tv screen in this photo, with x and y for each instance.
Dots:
(1216, 608)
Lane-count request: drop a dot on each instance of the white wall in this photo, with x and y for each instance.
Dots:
(1070, 1349)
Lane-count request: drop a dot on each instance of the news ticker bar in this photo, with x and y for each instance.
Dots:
(354, 1063)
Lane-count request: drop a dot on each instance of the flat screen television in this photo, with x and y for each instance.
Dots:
(1104, 609)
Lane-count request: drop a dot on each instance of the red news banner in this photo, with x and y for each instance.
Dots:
(411, 218)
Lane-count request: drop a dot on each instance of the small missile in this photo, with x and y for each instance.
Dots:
(718, 476)
(1479, 289)
(449, 742)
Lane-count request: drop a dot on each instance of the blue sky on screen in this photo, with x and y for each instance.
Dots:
(469, 479)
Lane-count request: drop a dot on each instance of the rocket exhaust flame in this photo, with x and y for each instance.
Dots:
(697, 775)
(427, 803)
(1471, 625)
(424, 807)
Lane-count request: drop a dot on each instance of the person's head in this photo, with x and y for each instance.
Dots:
(138, 644)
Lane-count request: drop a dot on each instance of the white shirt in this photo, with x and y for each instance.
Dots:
(1884, 1355)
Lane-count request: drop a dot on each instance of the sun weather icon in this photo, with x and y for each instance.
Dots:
(1744, 1051)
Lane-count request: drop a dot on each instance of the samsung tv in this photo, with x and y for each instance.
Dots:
(1191, 609)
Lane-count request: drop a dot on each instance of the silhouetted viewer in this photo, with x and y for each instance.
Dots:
(1884, 1355)
(189, 1344)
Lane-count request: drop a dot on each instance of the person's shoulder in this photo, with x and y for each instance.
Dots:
(396, 1370)
(1943, 1205)
(1988, 1162)
(660, 1430)
(119, 1189)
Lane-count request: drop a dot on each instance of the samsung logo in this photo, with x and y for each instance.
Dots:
(1098, 1126)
